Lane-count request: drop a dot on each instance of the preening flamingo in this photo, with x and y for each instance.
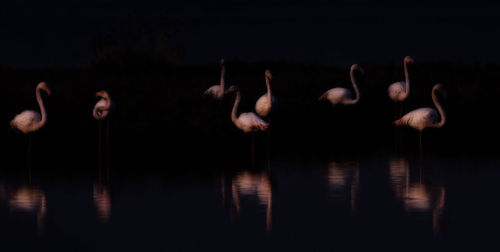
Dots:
(342, 95)
(218, 91)
(422, 118)
(103, 106)
(29, 121)
(101, 111)
(398, 91)
(249, 121)
(264, 103)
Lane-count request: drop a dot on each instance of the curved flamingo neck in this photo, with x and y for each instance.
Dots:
(222, 77)
(268, 85)
(355, 86)
(234, 117)
(439, 108)
(407, 81)
(43, 111)
(108, 99)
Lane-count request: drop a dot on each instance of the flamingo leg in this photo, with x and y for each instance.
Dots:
(269, 146)
(223, 190)
(253, 146)
(29, 144)
(107, 149)
(99, 146)
(420, 143)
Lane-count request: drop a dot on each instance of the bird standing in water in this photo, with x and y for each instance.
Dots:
(29, 120)
(218, 91)
(101, 112)
(342, 95)
(264, 104)
(422, 118)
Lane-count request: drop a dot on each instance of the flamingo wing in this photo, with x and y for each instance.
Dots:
(396, 90)
(26, 121)
(419, 118)
(249, 122)
(215, 91)
(263, 106)
(336, 95)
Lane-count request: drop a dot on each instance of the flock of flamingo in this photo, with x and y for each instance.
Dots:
(30, 121)
(418, 119)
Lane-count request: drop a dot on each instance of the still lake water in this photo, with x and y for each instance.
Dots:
(380, 201)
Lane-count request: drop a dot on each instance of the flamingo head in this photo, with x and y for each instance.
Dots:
(43, 86)
(441, 89)
(101, 93)
(409, 59)
(231, 89)
(221, 62)
(268, 74)
(357, 67)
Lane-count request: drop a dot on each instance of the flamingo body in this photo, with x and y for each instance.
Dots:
(218, 91)
(419, 119)
(265, 102)
(397, 91)
(215, 91)
(422, 118)
(342, 95)
(249, 121)
(263, 105)
(337, 95)
(29, 121)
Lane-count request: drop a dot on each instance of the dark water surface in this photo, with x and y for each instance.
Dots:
(378, 201)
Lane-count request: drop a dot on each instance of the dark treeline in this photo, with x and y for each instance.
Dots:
(162, 115)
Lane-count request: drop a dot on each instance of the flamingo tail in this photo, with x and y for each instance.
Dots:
(323, 97)
(400, 122)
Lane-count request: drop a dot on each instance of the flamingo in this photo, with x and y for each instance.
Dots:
(398, 91)
(102, 107)
(264, 103)
(218, 91)
(422, 118)
(342, 95)
(30, 121)
(100, 112)
(249, 121)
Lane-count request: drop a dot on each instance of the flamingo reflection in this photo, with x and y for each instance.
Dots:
(27, 199)
(338, 176)
(417, 197)
(102, 201)
(247, 184)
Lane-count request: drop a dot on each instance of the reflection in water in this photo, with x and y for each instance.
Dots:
(102, 201)
(338, 176)
(27, 199)
(417, 197)
(247, 184)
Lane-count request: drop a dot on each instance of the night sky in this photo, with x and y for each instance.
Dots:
(60, 33)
